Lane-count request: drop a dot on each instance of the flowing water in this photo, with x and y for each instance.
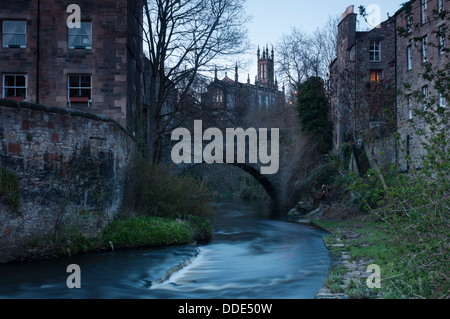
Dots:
(251, 257)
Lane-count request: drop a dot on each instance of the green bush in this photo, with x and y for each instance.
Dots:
(313, 111)
(156, 191)
(321, 175)
(9, 189)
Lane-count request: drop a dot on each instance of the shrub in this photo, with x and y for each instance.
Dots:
(313, 111)
(156, 191)
(321, 175)
(9, 189)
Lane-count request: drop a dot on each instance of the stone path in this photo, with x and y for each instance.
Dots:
(355, 269)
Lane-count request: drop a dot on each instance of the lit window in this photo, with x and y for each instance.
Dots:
(81, 38)
(375, 51)
(409, 57)
(375, 75)
(424, 11)
(15, 87)
(14, 34)
(425, 49)
(80, 88)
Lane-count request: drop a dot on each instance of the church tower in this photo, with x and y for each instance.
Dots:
(266, 68)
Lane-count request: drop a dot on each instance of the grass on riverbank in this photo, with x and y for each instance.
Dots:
(123, 233)
(369, 242)
(145, 231)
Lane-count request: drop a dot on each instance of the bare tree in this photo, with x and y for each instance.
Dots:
(302, 55)
(292, 61)
(324, 43)
(183, 37)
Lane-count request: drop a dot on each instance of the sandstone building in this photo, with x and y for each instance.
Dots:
(95, 68)
(394, 54)
(422, 43)
(364, 68)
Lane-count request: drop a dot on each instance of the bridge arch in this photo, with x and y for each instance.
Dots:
(256, 174)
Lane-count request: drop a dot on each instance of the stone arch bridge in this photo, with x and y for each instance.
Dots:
(274, 184)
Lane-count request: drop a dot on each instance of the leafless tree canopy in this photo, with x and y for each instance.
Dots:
(184, 38)
(302, 55)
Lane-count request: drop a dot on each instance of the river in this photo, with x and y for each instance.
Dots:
(251, 256)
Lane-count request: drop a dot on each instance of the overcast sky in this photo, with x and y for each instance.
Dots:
(273, 18)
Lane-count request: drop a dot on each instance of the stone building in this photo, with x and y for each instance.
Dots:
(237, 98)
(364, 68)
(94, 68)
(420, 44)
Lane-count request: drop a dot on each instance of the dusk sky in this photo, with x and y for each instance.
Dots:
(272, 19)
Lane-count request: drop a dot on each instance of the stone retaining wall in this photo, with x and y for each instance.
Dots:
(71, 167)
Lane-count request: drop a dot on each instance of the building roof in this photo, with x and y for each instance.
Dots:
(228, 80)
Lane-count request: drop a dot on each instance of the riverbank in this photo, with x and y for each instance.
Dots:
(123, 233)
(353, 247)
(356, 240)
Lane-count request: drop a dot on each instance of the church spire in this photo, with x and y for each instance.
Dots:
(215, 72)
(266, 68)
(236, 74)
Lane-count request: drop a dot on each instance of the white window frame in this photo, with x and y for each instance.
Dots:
(409, 57)
(424, 11)
(441, 40)
(440, 6)
(22, 46)
(373, 50)
(409, 23)
(410, 106)
(425, 94)
(78, 88)
(425, 49)
(442, 100)
(87, 47)
(4, 88)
